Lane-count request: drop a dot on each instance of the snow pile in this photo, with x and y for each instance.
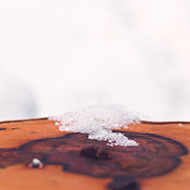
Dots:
(98, 122)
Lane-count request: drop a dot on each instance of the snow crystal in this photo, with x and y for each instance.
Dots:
(98, 122)
(36, 161)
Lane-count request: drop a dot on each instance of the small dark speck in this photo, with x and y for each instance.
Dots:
(33, 132)
(95, 153)
(15, 128)
(2, 128)
(124, 183)
(132, 186)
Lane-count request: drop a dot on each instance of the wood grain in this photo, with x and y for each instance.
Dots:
(72, 161)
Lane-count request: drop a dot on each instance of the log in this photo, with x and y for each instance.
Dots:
(34, 154)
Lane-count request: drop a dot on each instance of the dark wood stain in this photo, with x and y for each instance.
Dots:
(1, 128)
(155, 156)
(15, 128)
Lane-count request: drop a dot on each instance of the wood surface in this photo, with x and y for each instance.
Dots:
(71, 161)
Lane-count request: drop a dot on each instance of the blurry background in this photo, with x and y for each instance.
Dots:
(60, 56)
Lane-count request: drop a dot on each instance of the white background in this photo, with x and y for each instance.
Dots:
(62, 55)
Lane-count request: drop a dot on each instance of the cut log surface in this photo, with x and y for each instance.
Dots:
(34, 154)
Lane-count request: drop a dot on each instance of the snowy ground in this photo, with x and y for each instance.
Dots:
(60, 56)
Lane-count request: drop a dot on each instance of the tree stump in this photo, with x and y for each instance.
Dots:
(34, 154)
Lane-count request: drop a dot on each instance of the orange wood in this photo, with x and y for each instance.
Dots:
(15, 133)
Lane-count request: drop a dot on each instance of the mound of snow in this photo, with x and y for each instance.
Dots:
(98, 122)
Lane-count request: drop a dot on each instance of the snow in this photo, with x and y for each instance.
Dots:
(98, 122)
(36, 161)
